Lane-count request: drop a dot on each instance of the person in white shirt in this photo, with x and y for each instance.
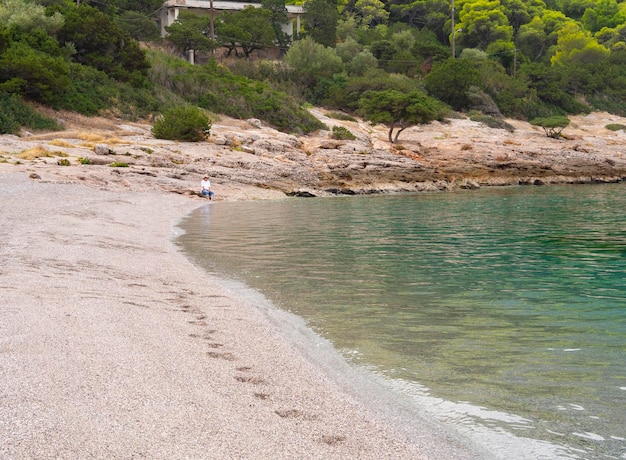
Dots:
(206, 188)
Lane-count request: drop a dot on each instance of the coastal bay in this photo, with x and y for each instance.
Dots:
(114, 345)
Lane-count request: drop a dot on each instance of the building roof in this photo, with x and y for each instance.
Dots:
(223, 5)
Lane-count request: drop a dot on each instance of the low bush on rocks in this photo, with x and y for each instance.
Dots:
(342, 134)
(182, 123)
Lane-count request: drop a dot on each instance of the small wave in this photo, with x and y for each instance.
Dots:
(591, 436)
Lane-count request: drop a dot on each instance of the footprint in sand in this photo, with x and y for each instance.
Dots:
(225, 355)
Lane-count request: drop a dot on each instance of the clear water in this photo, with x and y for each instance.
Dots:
(500, 312)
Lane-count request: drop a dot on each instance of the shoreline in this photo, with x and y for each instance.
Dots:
(246, 160)
(115, 345)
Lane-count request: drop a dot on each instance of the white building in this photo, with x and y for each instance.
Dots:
(171, 9)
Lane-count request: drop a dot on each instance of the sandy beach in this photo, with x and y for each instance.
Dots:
(113, 345)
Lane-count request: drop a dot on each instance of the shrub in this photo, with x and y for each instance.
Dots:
(341, 133)
(340, 116)
(119, 164)
(182, 123)
(491, 122)
(615, 127)
(15, 113)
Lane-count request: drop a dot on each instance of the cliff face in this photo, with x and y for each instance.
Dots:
(246, 159)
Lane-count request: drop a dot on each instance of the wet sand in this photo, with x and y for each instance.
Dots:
(113, 345)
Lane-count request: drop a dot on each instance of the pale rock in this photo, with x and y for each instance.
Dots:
(102, 149)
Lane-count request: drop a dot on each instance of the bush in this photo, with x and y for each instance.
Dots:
(341, 116)
(491, 122)
(341, 133)
(15, 113)
(615, 127)
(182, 123)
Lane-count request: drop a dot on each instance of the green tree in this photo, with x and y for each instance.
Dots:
(361, 63)
(309, 61)
(320, 21)
(483, 22)
(574, 8)
(33, 74)
(190, 32)
(532, 40)
(383, 51)
(370, 13)
(553, 126)
(249, 29)
(29, 16)
(398, 110)
(147, 7)
(100, 43)
(504, 52)
(279, 18)
(553, 22)
(604, 13)
(348, 49)
(516, 12)
(576, 45)
(138, 26)
(450, 81)
(425, 15)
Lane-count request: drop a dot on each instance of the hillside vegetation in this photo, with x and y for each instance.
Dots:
(389, 62)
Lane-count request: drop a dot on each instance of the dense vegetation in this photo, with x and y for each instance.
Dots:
(390, 61)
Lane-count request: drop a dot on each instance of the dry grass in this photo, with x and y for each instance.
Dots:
(90, 137)
(511, 142)
(61, 143)
(467, 147)
(39, 152)
(34, 153)
(115, 140)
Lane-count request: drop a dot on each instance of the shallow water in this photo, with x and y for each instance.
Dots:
(500, 312)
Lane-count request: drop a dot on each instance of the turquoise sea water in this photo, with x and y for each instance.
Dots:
(500, 312)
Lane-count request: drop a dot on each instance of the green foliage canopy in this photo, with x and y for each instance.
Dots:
(320, 21)
(100, 43)
(249, 29)
(450, 81)
(553, 125)
(190, 32)
(398, 110)
(309, 61)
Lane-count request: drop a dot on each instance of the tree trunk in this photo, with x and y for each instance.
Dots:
(395, 139)
(390, 135)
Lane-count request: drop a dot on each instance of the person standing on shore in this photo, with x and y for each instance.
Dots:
(206, 188)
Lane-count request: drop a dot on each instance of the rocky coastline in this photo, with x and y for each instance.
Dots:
(245, 159)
